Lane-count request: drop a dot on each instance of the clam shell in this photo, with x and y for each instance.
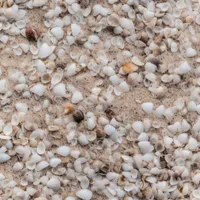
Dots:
(41, 148)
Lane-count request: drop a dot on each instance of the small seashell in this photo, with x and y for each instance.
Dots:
(84, 194)
(58, 32)
(54, 162)
(45, 50)
(30, 165)
(75, 29)
(4, 157)
(109, 129)
(136, 61)
(41, 165)
(32, 34)
(60, 90)
(8, 129)
(129, 67)
(54, 184)
(63, 151)
(145, 147)
(82, 139)
(69, 108)
(78, 116)
(41, 148)
(77, 97)
(113, 20)
(138, 126)
(190, 52)
(184, 68)
(38, 89)
(45, 78)
(148, 107)
(18, 166)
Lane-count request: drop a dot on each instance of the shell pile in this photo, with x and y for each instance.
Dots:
(99, 99)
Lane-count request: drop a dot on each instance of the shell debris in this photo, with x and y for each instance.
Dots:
(99, 99)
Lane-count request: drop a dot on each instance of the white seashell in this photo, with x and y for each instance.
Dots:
(30, 165)
(41, 148)
(70, 198)
(124, 87)
(71, 70)
(60, 90)
(54, 162)
(113, 20)
(138, 126)
(21, 107)
(57, 77)
(149, 67)
(190, 52)
(196, 193)
(145, 147)
(160, 111)
(126, 23)
(38, 89)
(63, 151)
(84, 182)
(39, 3)
(41, 165)
(4, 157)
(45, 50)
(4, 38)
(76, 29)
(8, 129)
(196, 179)
(192, 144)
(41, 66)
(148, 107)
(82, 139)
(91, 123)
(2, 85)
(54, 184)
(109, 129)
(84, 194)
(34, 50)
(184, 68)
(58, 32)
(191, 106)
(77, 97)
(18, 166)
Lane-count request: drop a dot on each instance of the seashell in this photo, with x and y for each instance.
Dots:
(56, 78)
(190, 52)
(41, 165)
(38, 89)
(60, 90)
(18, 166)
(2, 86)
(82, 139)
(126, 24)
(192, 144)
(39, 3)
(8, 129)
(77, 97)
(53, 128)
(138, 126)
(4, 157)
(184, 68)
(84, 194)
(76, 29)
(71, 70)
(129, 67)
(54, 184)
(41, 66)
(58, 32)
(54, 162)
(45, 78)
(196, 193)
(30, 165)
(136, 61)
(148, 15)
(45, 50)
(78, 116)
(41, 148)
(148, 107)
(63, 151)
(109, 129)
(32, 34)
(113, 20)
(145, 147)
(84, 182)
